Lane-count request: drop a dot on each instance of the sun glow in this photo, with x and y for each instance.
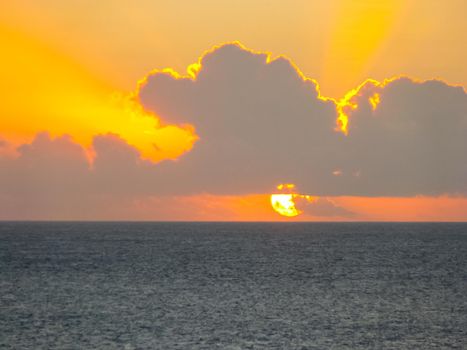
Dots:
(348, 103)
(285, 203)
(374, 101)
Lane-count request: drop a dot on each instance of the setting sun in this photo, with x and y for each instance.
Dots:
(284, 204)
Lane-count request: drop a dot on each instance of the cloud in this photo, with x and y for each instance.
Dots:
(322, 207)
(260, 123)
(413, 141)
(53, 178)
(45, 167)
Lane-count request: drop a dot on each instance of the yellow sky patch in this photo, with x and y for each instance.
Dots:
(46, 91)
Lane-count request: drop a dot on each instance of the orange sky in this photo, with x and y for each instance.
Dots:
(70, 68)
(257, 208)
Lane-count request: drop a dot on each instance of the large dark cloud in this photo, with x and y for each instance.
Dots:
(260, 123)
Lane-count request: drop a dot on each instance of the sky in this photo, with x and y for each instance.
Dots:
(180, 110)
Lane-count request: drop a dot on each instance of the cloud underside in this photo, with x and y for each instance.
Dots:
(260, 122)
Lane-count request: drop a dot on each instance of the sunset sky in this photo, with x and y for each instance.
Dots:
(200, 110)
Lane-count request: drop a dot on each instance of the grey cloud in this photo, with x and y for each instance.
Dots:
(52, 179)
(323, 207)
(262, 123)
(44, 168)
(413, 143)
(259, 123)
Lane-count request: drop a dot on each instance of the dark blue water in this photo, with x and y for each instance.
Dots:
(233, 286)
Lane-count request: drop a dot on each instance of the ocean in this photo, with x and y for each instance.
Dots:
(117, 285)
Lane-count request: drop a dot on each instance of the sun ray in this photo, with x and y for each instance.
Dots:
(360, 29)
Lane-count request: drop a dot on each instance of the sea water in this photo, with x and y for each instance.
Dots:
(233, 285)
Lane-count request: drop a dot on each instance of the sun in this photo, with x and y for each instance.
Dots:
(284, 204)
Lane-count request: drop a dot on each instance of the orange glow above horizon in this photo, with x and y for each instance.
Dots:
(257, 207)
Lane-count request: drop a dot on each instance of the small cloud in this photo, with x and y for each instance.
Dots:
(323, 207)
